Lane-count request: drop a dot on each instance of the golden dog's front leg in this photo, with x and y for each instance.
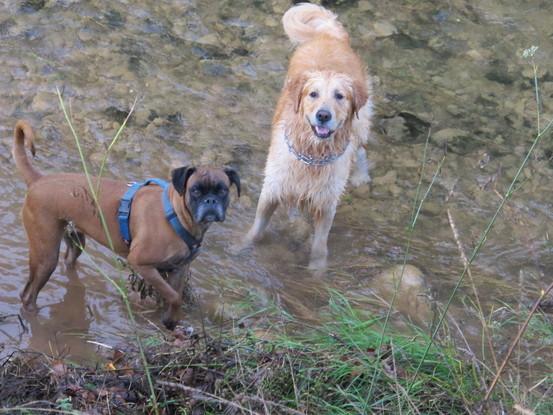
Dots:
(360, 173)
(265, 209)
(173, 299)
(319, 251)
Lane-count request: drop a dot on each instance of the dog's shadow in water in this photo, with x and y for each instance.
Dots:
(66, 328)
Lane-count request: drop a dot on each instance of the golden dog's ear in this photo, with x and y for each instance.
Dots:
(234, 178)
(180, 176)
(360, 96)
(296, 90)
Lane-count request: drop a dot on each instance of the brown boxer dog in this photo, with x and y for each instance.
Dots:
(199, 196)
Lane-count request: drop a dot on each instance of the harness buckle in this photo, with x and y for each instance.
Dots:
(124, 207)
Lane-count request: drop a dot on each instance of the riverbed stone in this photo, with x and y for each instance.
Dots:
(43, 101)
(85, 35)
(215, 69)
(271, 21)
(32, 6)
(384, 29)
(386, 180)
(451, 136)
(364, 6)
(395, 127)
(210, 39)
(411, 298)
(454, 110)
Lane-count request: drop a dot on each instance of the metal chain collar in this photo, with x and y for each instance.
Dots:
(310, 160)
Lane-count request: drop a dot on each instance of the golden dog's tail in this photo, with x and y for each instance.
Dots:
(23, 136)
(306, 21)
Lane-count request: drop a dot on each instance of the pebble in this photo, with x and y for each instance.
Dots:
(449, 135)
(210, 39)
(395, 127)
(158, 122)
(384, 29)
(271, 21)
(454, 110)
(388, 179)
(364, 6)
(476, 55)
(85, 35)
(44, 101)
(215, 69)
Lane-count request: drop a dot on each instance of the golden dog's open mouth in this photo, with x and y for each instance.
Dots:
(322, 131)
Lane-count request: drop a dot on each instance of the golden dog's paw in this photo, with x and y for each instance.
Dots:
(242, 246)
(358, 179)
(317, 266)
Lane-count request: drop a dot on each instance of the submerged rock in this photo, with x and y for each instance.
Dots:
(388, 179)
(44, 101)
(411, 298)
(384, 29)
(395, 128)
(457, 140)
(405, 126)
(364, 6)
(31, 6)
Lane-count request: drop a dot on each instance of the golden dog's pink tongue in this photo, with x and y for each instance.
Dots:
(322, 130)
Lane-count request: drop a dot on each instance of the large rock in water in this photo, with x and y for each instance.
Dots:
(412, 297)
(457, 140)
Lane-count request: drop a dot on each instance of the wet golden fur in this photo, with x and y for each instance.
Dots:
(324, 72)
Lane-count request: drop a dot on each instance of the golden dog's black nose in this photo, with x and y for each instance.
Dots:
(323, 116)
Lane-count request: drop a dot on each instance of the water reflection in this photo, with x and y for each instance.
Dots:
(63, 327)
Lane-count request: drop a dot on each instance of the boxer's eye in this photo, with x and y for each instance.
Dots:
(223, 191)
(195, 192)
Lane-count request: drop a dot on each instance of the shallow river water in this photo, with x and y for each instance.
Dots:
(207, 76)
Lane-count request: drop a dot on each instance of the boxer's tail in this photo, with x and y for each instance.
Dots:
(24, 137)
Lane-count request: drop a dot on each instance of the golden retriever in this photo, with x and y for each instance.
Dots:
(322, 118)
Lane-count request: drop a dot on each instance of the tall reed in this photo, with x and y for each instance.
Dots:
(94, 191)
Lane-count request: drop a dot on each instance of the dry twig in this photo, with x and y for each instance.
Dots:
(213, 398)
(515, 341)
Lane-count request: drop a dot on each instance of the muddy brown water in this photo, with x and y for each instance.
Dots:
(207, 75)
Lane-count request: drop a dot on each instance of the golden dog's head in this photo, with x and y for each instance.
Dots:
(327, 101)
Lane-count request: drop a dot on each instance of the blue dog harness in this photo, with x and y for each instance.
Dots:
(124, 212)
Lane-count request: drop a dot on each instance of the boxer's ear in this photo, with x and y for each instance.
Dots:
(180, 176)
(234, 178)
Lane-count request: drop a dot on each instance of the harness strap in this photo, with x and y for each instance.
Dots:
(124, 213)
(172, 218)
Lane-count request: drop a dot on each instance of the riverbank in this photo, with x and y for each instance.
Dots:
(342, 367)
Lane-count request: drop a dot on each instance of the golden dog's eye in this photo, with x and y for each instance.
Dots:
(338, 96)
(314, 94)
